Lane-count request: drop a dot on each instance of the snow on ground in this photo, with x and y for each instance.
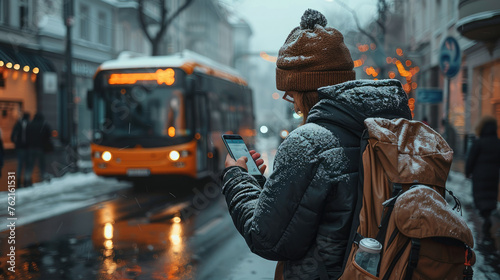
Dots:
(64, 194)
(462, 188)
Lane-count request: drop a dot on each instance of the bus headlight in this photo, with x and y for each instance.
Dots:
(174, 155)
(106, 156)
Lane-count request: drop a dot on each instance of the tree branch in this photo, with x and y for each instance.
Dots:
(358, 25)
(176, 13)
(142, 20)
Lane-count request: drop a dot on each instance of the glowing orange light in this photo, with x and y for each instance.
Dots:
(36, 70)
(416, 69)
(210, 155)
(55, 133)
(392, 75)
(388, 59)
(399, 51)
(26, 68)
(411, 103)
(267, 57)
(407, 87)
(171, 131)
(401, 69)
(166, 76)
(197, 136)
(1, 63)
(373, 46)
(9, 65)
(414, 85)
(17, 66)
(363, 48)
(123, 91)
(358, 63)
(108, 231)
(408, 63)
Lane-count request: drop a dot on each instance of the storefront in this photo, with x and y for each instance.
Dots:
(484, 77)
(21, 82)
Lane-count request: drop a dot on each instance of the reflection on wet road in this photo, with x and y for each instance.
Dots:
(136, 235)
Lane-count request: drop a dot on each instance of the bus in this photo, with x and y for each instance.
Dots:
(165, 115)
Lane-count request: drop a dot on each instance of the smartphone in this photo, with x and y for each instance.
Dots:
(237, 148)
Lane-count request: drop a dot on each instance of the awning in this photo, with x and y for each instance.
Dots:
(25, 58)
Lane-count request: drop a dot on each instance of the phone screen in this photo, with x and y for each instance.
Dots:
(237, 149)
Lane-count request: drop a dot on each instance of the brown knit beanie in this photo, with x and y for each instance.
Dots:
(313, 56)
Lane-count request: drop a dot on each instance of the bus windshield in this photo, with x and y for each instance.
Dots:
(138, 111)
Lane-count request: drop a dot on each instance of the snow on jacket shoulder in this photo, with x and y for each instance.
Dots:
(293, 197)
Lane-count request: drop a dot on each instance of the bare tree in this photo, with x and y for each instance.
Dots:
(378, 37)
(166, 19)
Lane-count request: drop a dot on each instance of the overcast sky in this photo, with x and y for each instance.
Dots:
(272, 20)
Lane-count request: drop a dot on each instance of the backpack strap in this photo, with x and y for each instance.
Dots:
(355, 236)
(395, 260)
(413, 261)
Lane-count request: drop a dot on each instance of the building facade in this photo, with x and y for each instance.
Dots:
(33, 57)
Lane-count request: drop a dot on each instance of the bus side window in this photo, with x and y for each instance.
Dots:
(215, 113)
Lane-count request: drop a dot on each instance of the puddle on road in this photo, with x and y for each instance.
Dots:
(133, 248)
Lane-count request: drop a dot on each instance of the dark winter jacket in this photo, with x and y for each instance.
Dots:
(303, 213)
(19, 133)
(483, 163)
(39, 133)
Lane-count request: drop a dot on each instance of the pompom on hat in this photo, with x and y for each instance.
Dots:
(313, 56)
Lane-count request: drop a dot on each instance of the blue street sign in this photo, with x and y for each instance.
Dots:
(450, 57)
(429, 95)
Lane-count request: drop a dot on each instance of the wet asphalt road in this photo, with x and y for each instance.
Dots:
(152, 233)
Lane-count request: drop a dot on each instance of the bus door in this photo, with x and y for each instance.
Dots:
(202, 130)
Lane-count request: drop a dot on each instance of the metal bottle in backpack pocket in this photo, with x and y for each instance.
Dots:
(368, 255)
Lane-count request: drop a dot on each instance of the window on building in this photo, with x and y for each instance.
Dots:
(2, 11)
(103, 36)
(126, 36)
(451, 9)
(84, 22)
(437, 13)
(24, 14)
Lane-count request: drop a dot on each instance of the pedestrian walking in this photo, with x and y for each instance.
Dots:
(303, 213)
(39, 143)
(20, 139)
(483, 166)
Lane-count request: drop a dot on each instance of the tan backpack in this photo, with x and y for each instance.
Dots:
(405, 166)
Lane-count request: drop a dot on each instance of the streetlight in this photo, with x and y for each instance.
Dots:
(264, 129)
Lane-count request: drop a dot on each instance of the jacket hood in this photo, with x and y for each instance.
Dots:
(349, 104)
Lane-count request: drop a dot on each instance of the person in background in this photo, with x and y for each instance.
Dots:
(38, 141)
(303, 213)
(483, 166)
(20, 139)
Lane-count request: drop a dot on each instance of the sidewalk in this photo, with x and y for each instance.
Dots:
(57, 163)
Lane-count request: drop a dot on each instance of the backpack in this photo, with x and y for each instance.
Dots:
(401, 203)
